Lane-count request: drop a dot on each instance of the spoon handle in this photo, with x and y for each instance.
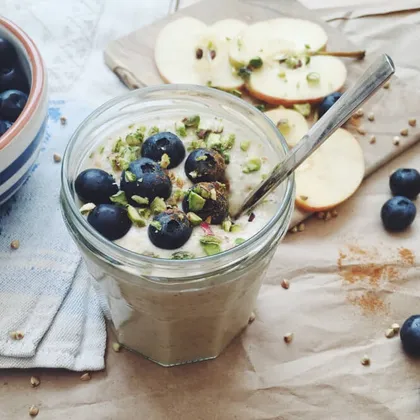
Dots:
(371, 80)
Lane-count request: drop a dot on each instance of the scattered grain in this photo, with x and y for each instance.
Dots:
(86, 377)
(116, 347)
(17, 335)
(288, 338)
(412, 122)
(334, 213)
(328, 216)
(361, 131)
(63, 120)
(285, 284)
(371, 116)
(294, 229)
(365, 361)
(387, 85)
(389, 333)
(33, 410)
(251, 318)
(35, 381)
(396, 328)
(301, 227)
(396, 141)
(359, 113)
(320, 215)
(372, 139)
(404, 132)
(15, 244)
(56, 157)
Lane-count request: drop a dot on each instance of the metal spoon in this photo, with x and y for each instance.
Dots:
(371, 80)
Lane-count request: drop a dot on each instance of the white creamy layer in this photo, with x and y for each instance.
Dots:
(241, 184)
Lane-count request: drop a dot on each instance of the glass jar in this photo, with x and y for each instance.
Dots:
(175, 311)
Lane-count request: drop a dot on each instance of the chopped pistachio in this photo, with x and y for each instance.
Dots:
(202, 157)
(92, 154)
(304, 109)
(239, 241)
(213, 194)
(244, 73)
(180, 129)
(153, 130)
(129, 176)
(196, 144)
(192, 122)
(252, 165)
(193, 174)
(211, 244)
(226, 157)
(142, 129)
(165, 161)
(307, 59)
(228, 141)
(144, 212)
(256, 62)
(283, 126)
(156, 225)
(119, 198)
(264, 176)
(118, 145)
(202, 191)
(101, 149)
(87, 208)
(135, 139)
(194, 219)
(195, 201)
(226, 225)
(214, 141)
(182, 255)
(307, 46)
(313, 78)
(177, 196)
(235, 228)
(260, 107)
(245, 145)
(209, 83)
(135, 217)
(140, 200)
(293, 62)
(282, 74)
(116, 347)
(158, 205)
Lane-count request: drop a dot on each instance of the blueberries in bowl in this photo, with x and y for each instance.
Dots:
(110, 220)
(12, 103)
(4, 126)
(398, 213)
(157, 145)
(95, 186)
(405, 182)
(13, 78)
(207, 200)
(170, 229)
(410, 336)
(7, 53)
(205, 165)
(146, 179)
(328, 102)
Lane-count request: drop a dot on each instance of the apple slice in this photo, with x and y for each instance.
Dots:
(189, 51)
(331, 174)
(269, 38)
(291, 124)
(297, 79)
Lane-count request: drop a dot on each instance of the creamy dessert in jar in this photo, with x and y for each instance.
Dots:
(149, 181)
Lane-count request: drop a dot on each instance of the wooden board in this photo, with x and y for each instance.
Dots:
(132, 59)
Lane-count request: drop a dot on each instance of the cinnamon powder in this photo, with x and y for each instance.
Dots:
(407, 256)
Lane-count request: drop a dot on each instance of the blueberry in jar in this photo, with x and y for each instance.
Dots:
(12, 103)
(205, 165)
(170, 229)
(398, 213)
(95, 186)
(12, 78)
(328, 102)
(159, 144)
(410, 336)
(405, 182)
(145, 178)
(110, 220)
(4, 126)
(7, 53)
(208, 200)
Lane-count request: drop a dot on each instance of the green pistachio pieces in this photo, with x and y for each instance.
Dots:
(101, 149)
(256, 62)
(87, 208)
(226, 157)
(226, 225)
(177, 196)
(214, 141)
(182, 255)
(153, 130)
(252, 165)
(307, 46)
(282, 74)
(144, 212)
(135, 139)
(244, 73)
(211, 244)
(158, 205)
(144, 201)
(304, 109)
(239, 241)
(260, 107)
(165, 161)
(156, 225)
(194, 219)
(228, 141)
(235, 228)
(119, 198)
(195, 201)
(129, 176)
(201, 191)
(313, 78)
(196, 144)
(236, 92)
(180, 129)
(118, 145)
(192, 122)
(135, 217)
(202, 157)
(245, 145)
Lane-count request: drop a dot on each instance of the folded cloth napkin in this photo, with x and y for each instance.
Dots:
(50, 315)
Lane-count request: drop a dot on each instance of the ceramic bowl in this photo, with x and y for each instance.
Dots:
(20, 145)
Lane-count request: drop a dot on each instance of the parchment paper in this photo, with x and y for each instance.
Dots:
(336, 316)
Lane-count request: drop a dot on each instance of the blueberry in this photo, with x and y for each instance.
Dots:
(398, 213)
(110, 220)
(157, 145)
(410, 335)
(207, 200)
(170, 229)
(4, 126)
(145, 178)
(205, 165)
(12, 103)
(405, 182)
(7, 53)
(328, 102)
(95, 186)
(13, 78)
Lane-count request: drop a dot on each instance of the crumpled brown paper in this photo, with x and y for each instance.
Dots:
(350, 280)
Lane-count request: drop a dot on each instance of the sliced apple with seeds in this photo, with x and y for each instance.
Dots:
(290, 123)
(331, 174)
(297, 79)
(189, 51)
(269, 38)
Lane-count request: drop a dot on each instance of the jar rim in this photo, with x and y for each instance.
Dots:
(122, 256)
